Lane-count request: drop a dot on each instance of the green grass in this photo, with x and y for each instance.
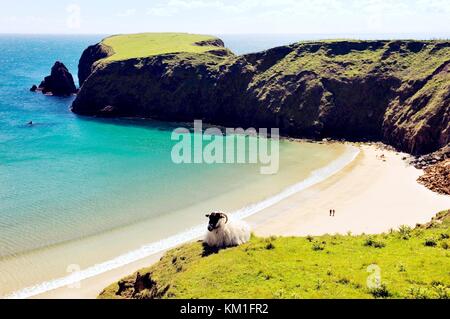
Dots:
(412, 263)
(149, 44)
(359, 62)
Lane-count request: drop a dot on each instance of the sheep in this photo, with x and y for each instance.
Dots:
(223, 233)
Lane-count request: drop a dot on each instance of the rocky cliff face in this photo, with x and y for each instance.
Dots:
(88, 59)
(394, 91)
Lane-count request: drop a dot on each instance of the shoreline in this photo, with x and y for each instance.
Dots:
(371, 196)
(134, 255)
(306, 212)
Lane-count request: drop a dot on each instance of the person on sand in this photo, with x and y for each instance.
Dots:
(334, 212)
(331, 212)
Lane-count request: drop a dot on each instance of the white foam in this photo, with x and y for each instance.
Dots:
(315, 177)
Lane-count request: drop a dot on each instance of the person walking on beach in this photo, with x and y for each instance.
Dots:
(331, 212)
(334, 212)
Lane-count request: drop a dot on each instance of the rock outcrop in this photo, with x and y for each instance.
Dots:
(437, 177)
(59, 82)
(397, 92)
(424, 161)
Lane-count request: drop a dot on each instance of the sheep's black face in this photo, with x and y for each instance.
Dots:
(214, 220)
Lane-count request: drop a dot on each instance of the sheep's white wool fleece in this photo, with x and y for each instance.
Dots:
(234, 233)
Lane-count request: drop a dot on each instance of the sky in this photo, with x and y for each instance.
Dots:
(428, 17)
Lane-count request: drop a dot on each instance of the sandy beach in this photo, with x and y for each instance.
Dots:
(371, 195)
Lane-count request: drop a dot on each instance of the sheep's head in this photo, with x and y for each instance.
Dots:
(216, 219)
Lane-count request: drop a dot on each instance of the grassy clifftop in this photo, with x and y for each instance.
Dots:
(144, 45)
(411, 263)
(404, 59)
(124, 47)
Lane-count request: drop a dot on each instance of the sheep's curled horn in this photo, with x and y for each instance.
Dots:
(226, 217)
(223, 215)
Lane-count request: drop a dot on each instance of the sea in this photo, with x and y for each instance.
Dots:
(80, 196)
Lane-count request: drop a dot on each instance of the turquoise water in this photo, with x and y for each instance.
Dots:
(68, 182)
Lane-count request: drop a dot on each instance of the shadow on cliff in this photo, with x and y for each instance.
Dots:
(132, 122)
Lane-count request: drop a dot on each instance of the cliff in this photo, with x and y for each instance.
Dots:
(397, 92)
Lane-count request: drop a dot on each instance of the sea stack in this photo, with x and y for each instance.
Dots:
(59, 83)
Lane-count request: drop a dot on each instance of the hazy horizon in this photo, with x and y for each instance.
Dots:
(336, 17)
(312, 36)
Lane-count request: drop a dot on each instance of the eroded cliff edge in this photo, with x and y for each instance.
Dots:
(394, 91)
